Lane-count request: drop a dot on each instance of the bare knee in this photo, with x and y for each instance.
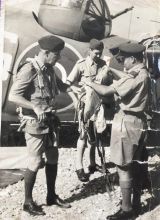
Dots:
(81, 143)
(34, 163)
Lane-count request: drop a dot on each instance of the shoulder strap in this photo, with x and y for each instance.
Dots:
(20, 67)
(81, 60)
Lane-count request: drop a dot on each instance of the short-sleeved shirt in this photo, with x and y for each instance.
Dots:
(37, 84)
(132, 90)
(99, 73)
(87, 68)
(129, 125)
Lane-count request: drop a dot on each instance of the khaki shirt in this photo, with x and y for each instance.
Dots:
(129, 125)
(133, 90)
(39, 85)
(86, 68)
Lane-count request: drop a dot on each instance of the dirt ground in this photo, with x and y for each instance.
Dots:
(89, 201)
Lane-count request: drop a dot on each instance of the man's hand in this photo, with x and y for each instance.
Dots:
(88, 82)
(102, 75)
(76, 89)
(41, 115)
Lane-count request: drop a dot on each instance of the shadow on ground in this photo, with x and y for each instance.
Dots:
(93, 187)
(10, 176)
(154, 200)
(98, 185)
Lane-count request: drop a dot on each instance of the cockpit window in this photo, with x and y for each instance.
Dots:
(64, 3)
(96, 21)
(97, 9)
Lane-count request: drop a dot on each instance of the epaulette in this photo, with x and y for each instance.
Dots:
(81, 60)
(24, 65)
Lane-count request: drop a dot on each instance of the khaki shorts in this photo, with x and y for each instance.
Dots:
(127, 138)
(37, 145)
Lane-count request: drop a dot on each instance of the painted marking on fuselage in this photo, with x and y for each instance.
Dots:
(12, 37)
(63, 71)
(6, 66)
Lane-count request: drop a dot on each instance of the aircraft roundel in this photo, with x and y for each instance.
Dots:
(69, 56)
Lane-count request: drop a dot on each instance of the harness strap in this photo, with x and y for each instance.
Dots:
(101, 153)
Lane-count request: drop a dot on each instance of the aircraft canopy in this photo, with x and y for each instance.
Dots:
(64, 3)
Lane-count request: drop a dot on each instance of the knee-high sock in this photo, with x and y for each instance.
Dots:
(92, 149)
(29, 180)
(125, 177)
(136, 194)
(126, 189)
(51, 174)
(137, 183)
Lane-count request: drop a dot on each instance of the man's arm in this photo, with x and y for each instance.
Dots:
(23, 79)
(117, 73)
(18, 89)
(20, 101)
(24, 103)
(73, 89)
(101, 89)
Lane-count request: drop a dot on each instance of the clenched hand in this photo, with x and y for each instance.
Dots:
(41, 115)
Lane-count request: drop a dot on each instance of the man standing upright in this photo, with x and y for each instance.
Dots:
(94, 68)
(34, 90)
(129, 126)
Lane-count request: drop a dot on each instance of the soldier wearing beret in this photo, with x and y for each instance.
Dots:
(129, 126)
(95, 68)
(116, 60)
(34, 90)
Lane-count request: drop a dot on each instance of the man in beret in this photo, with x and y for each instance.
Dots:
(34, 90)
(95, 68)
(129, 126)
(116, 61)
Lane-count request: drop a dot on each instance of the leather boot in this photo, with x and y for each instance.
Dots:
(52, 198)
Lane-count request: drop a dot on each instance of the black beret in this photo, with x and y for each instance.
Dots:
(51, 43)
(96, 44)
(129, 49)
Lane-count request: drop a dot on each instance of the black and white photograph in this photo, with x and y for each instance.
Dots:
(80, 109)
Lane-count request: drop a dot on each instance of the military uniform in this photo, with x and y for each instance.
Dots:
(129, 124)
(39, 85)
(86, 68)
(128, 138)
(116, 59)
(129, 127)
(90, 109)
(34, 88)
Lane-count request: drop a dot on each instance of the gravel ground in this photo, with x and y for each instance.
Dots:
(89, 201)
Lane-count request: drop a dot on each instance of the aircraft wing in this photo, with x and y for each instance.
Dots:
(136, 3)
(144, 19)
